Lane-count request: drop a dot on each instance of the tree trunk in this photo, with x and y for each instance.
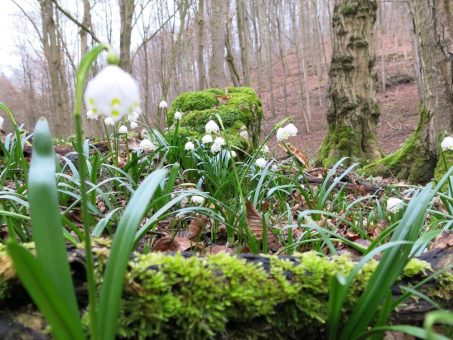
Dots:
(353, 109)
(224, 297)
(126, 14)
(433, 28)
(200, 49)
(217, 23)
(234, 74)
(244, 39)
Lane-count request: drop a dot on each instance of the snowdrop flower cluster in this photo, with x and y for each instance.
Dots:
(211, 127)
(447, 144)
(394, 205)
(197, 199)
(112, 93)
(163, 104)
(189, 146)
(261, 162)
(206, 139)
(147, 145)
(284, 133)
(122, 130)
(178, 115)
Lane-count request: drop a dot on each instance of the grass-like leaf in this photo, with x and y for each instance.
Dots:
(121, 249)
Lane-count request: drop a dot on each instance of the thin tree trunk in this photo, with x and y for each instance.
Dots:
(244, 40)
(126, 15)
(217, 25)
(202, 83)
(234, 74)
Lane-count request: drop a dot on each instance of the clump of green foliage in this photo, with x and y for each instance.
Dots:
(236, 106)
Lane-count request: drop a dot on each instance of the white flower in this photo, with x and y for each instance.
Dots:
(219, 141)
(144, 133)
(216, 148)
(147, 145)
(291, 129)
(109, 121)
(447, 143)
(189, 146)
(261, 162)
(178, 115)
(244, 134)
(211, 127)
(243, 127)
(122, 130)
(266, 149)
(233, 154)
(134, 125)
(282, 134)
(197, 199)
(163, 104)
(1, 122)
(133, 116)
(92, 115)
(206, 139)
(112, 93)
(394, 204)
(274, 167)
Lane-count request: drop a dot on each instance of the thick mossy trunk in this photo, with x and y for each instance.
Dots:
(413, 161)
(173, 296)
(353, 109)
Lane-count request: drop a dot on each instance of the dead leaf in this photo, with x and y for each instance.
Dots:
(196, 226)
(296, 152)
(172, 244)
(443, 241)
(254, 220)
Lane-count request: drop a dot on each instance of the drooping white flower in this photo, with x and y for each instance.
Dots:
(2, 120)
(144, 133)
(394, 204)
(261, 162)
(163, 104)
(147, 145)
(243, 127)
(189, 146)
(122, 130)
(109, 121)
(274, 167)
(447, 144)
(233, 154)
(132, 117)
(211, 127)
(266, 149)
(291, 129)
(92, 115)
(244, 134)
(178, 115)
(112, 93)
(282, 134)
(134, 125)
(216, 148)
(206, 139)
(220, 141)
(197, 199)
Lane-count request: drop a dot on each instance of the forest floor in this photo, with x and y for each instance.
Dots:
(399, 102)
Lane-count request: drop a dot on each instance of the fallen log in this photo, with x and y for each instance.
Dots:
(169, 296)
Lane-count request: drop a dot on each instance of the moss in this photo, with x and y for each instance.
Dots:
(341, 63)
(411, 162)
(339, 142)
(223, 296)
(349, 9)
(237, 106)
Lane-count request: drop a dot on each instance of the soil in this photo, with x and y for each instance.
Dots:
(399, 102)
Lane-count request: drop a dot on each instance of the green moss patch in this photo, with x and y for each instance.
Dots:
(236, 106)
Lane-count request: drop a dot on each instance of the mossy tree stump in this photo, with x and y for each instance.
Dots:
(353, 109)
(236, 106)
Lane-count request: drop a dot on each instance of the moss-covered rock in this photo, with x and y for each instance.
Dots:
(236, 106)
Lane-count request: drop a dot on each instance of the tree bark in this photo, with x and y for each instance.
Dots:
(353, 109)
(217, 23)
(433, 35)
(126, 13)
(244, 39)
(202, 83)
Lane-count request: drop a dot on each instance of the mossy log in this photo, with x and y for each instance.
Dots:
(170, 296)
(236, 106)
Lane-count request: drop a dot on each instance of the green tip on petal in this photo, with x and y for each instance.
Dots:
(113, 59)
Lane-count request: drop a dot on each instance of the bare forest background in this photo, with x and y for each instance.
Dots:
(280, 48)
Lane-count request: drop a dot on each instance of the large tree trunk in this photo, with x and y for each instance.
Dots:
(126, 15)
(224, 297)
(217, 23)
(433, 28)
(353, 109)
